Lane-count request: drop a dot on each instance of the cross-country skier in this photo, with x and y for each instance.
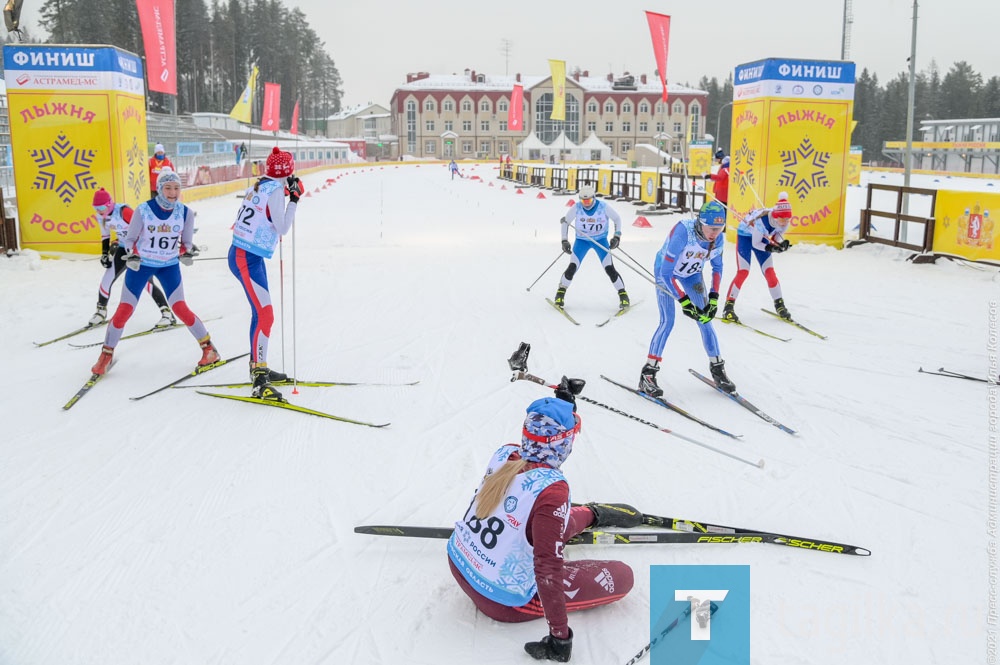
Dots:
(260, 222)
(162, 237)
(678, 268)
(507, 551)
(590, 218)
(453, 167)
(116, 217)
(762, 232)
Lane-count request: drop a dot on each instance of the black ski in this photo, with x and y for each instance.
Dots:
(91, 382)
(73, 334)
(740, 324)
(692, 526)
(562, 311)
(742, 401)
(291, 407)
(794, 323)
(673, 407)
(954, 375)
(201, 369)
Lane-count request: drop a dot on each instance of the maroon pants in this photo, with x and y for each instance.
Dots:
(587, 583)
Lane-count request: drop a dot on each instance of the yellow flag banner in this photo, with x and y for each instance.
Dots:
(243, 110)
(558, 69)
(965, 225)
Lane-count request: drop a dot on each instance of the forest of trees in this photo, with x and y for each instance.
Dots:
(881, 109)
(216, 46)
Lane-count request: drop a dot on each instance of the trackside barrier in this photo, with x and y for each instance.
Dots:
(900, 237)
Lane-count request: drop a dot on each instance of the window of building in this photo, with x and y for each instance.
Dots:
(466, 125)
(484, 106)
(591, 127)
(695, 125)
(411, 126)
(448, 105)
(609, 106)
(430, 147)
(626, 126)
(676, 148)
(480, 78)
(678, 128)
(502, 147)
(486, 147)
(659, 108)
(609, 127)
(548, 130)
(626, 146)
(503, 125)
(591, 106)
(466, 147)
(659, 127)
(643, 107)
(429, 125)
(502, 106)
(695, 108)
(466, 105)
(678, 107)
(611, 144)
(428, 104)
(484, 125)
(643, 127)
(449, 126)
(626, 107)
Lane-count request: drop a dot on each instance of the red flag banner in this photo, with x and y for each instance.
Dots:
(659, 28)
(271, 120)
(515, 122)
(295, 119)
(157, 20)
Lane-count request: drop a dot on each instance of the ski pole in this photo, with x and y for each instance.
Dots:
(545, 271)
(521, 375)
(295, 311)
(619, 248)
(281, 273)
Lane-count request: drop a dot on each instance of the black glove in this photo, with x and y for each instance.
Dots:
(711, 308)
(566, 247)
(294, 189)
(105, 260)
(620, 515)
(551, 648)
(779, 248)
(568, 389)
(615, 240)
(689, 308)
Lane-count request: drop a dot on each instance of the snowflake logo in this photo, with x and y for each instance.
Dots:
(804, 168)
(136, 169)
(74, 161)
(743, 166)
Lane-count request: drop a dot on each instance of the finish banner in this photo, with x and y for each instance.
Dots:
(77, 123)
(157, 20)
(791, 133)
(966, 225)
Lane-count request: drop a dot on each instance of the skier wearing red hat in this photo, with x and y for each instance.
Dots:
(260, 222)
(506, 552)
(115, 217)
(762, 232)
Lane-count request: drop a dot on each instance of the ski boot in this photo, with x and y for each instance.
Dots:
(104, 362)
(781, 310)
(99, 317)
(272, 376)
(623, 302)
(209, 354)
(647, 381)
(262, 388)
(166, 318)
(729, 312)
(718, 369)
(620, 515)
(560, 300)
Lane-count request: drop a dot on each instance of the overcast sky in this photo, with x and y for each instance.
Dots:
(374, 44)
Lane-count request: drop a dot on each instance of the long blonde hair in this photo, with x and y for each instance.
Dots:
(495, 487)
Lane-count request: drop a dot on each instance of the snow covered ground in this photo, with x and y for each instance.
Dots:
(186, 530)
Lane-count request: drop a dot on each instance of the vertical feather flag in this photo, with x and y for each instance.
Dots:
(295, 119)
(514, 113)
(271, 120)
(156, 18)
(558, 69)
(659, 29)
(243, 109)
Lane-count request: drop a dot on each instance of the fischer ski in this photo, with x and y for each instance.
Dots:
(742, 401)
(307, 384)
(91, 382)
(794, 323)
(692, 526)
(740, 324)
(618, 314)
(291, 407)
(562, 311)
(673, 407)
(154, 329)
(201, 369)
(73, 334)
(954, 375)
(534, 379)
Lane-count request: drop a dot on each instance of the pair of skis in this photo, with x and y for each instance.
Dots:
(682, 531)
(956, 375)
(791, 322)
(617, 314)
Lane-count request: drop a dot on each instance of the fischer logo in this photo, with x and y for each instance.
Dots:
(828, 72)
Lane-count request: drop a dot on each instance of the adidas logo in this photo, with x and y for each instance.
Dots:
(605, 579)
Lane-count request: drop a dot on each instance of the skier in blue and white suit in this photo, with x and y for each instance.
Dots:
(590, 218)
(678, 270)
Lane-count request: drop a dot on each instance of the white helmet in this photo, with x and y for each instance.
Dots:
(587, 191)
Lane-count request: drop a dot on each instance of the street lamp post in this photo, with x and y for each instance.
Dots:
(718, 125)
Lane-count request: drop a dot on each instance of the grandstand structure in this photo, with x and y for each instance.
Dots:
(969, 145)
